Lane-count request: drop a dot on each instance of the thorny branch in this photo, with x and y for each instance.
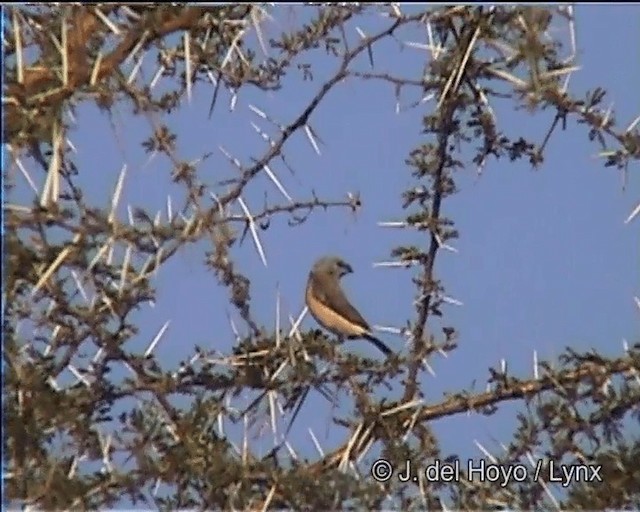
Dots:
(76, 273)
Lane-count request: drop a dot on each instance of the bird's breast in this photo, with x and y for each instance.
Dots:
(328, 317)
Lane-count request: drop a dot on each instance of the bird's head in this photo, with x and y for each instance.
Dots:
(332, 265)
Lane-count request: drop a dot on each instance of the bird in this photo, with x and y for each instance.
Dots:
(329, 305)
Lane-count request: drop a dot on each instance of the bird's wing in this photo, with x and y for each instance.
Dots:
(332, 296)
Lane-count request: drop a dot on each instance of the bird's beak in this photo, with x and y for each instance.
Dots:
(346, 269)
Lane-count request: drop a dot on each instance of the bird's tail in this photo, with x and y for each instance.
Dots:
(381, 346)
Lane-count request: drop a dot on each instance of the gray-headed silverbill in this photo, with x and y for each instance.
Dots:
(329, 305)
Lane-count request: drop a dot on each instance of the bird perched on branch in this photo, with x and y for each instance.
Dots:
(329, 305)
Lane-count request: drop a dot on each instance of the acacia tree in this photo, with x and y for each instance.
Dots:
(70, 297)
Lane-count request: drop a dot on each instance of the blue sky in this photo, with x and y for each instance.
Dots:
(545, 260)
